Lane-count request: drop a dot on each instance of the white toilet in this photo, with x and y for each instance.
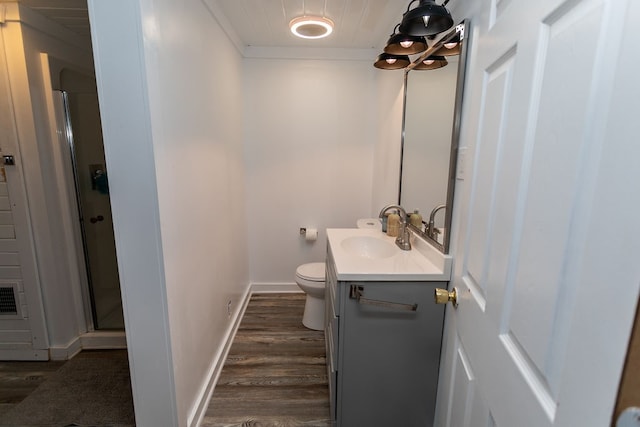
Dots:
(310, 278)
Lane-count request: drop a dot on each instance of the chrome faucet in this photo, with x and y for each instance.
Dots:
(432, 231)
(402, 241)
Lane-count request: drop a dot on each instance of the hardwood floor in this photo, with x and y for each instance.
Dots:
(274, 375)
(275, 372)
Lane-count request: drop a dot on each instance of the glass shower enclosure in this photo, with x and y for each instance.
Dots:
(83, 133)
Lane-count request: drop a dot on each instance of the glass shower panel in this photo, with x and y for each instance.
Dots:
(84, 132)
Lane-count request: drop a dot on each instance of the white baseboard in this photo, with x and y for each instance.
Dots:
(273, 288)
(103, 340)
(66, 352)
(23, 355)
(98, 340)
(204, 396)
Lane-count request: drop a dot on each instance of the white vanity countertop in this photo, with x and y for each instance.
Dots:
(422, 263)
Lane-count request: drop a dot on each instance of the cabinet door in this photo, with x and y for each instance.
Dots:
(388, 370)
(331, 331)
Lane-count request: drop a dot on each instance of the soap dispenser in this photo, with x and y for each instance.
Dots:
(415, 219)
(393, 225)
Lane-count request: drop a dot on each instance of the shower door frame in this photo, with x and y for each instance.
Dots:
(90, 295)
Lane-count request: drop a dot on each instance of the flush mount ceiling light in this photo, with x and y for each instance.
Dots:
(311, 27)
(432, 63)
(404, 44)
(426, 19)
(389, 61)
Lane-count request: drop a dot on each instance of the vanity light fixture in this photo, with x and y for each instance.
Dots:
(432, 63)
(311, 27)
(389, 61)
(450, 48)
(404, 44)
(427, 19)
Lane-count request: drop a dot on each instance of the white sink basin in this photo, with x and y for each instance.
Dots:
(368, 247)
(369, 254)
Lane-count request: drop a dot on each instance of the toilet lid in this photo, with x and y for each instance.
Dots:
(313, 271)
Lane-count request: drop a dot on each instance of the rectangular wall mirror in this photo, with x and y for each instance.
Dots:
(431, 121)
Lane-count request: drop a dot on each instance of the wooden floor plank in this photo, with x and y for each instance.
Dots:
(245, 359)
(275, 373)
(264, 421)
(227, 392)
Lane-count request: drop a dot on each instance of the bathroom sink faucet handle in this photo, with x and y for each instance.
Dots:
(403, 239)
(400, 209)
(432, 231)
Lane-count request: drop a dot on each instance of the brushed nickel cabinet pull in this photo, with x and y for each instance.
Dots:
(356, 293)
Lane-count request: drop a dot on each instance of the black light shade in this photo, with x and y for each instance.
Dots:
(426, 19)
(388, 61)
(415, 44)
(426, 64)
(450, 48)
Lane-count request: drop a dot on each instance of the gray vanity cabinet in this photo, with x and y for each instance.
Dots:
(382, 359)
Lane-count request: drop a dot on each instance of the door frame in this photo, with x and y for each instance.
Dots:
(16, 183)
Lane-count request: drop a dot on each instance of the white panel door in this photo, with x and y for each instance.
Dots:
(547, 264)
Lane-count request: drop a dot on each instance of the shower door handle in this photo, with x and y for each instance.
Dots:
(95, 219)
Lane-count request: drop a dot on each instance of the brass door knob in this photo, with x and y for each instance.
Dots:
(443, 296)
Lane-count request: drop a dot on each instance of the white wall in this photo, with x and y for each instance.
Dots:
(170, 92)
(388, 124)
(195, 97)
(29, 34)
(309, 144)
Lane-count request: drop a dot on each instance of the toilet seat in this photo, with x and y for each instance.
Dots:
(312, 272)
(310, 278)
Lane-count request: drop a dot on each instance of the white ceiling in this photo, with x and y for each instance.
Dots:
(359, 24)
(71, 14)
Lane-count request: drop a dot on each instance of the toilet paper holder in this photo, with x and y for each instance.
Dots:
(310, 234)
